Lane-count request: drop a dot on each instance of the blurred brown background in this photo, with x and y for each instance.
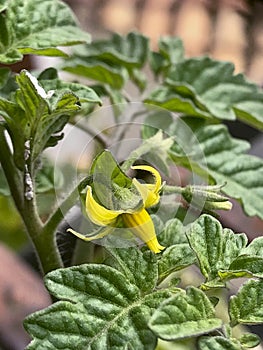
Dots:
(225, 29)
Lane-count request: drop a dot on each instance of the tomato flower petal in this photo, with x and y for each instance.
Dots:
(142, 226)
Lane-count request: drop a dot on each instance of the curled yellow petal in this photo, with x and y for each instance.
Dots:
(149, 192)
(142, 226)
(103, 232)
(97, 213)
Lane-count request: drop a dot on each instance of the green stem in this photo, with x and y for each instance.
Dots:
(13, 176)
(43, 241)
(173, 189)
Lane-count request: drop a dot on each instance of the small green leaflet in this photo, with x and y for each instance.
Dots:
(185, 315)
(37, 27)
(178, 253)
(171, 51)
(214, 247)
(222, 254)
(100, 309)
(246, 307)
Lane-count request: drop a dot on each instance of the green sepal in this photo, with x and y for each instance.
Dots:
(112, 188)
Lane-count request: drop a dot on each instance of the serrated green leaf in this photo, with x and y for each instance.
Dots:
(214, 246)
(205, 87)
(25, 33)
(249, 340)
(175, 258)
(242, 173)
(103, 310)
(173, 233)
(217, 343)
(246, 307)
(248, 264)
(140, 268)
(128, 51)
(184, 315)
(112, 61)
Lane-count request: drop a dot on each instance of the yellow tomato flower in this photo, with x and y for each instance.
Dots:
(138, 221)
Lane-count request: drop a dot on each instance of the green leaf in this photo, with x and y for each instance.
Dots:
(226, 163)
(249, 340)
(98, 71)
(175, 258)
(166, 98)
(111, 186)
(140, 268)
(128, 51)
(171, 51)
(45, 119)
(184, 315)
(214, 246)
(248, 264)
(15, 119)
(173, 233)
(4, 188)
(217, 155)
(217, 343)
(199, 86)
(246, 307)
(111, 61)
(101, 309)
(25, 33)
(48, 178)
(255, 248)
(50, 81)
(4, 76)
